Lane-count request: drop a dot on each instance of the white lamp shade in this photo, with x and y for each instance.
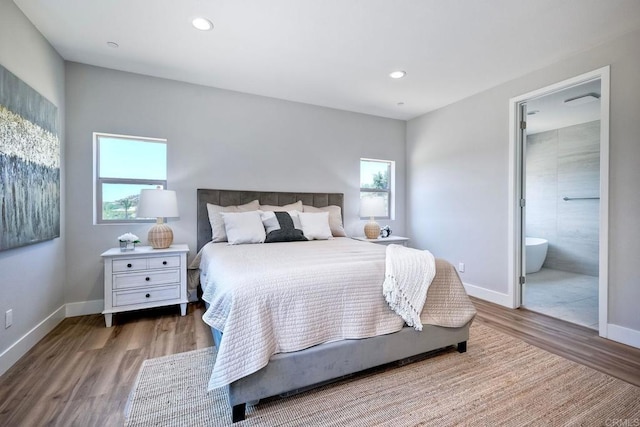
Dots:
(157, 203)
(372, 207)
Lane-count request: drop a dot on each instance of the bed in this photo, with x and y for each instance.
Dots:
(289, 367)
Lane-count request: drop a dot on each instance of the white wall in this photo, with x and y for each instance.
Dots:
(216, 139)
(32, 277)
(457, 180)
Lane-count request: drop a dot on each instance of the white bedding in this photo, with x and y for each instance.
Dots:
(284, 297)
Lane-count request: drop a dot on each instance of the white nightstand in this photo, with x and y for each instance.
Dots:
(144, 278)
(398, 240)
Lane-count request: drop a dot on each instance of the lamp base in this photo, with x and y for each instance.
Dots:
(372, 230)
(160, 236)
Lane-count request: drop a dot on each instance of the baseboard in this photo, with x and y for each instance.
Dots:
(489, 295)
(83, 308)
(31, 338)
(623, 335)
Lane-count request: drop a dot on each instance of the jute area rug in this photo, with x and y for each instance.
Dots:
(499, 381)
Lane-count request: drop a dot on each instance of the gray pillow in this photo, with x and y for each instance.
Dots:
(287, 232)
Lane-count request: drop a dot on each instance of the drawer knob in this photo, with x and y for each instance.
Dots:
(129, 265)
(147, 295)
(164, 262)
(147, 278)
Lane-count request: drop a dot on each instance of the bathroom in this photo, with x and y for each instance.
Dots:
(562, 171)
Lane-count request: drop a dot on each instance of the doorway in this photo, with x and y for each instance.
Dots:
(561, 184)
(560, 198)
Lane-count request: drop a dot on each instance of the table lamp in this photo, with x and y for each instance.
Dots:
(372, 207)
(160, 204)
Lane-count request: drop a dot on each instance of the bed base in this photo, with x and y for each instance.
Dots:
(289, 373)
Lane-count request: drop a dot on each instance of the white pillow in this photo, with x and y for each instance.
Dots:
(315, 225)
(243, 227)
(297, 206)
(295, 216)
(271, 223)
(218, 233)
(335, 218)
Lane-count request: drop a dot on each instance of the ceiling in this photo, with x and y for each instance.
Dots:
(550, 111)
(334, 53)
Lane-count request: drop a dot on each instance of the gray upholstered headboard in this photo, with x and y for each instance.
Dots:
(236, 197)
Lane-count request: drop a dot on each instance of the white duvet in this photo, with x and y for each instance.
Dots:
(283, 297)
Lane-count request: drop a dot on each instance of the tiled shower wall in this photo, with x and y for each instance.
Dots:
(565, 163)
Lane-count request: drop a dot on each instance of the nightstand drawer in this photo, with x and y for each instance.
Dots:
(132, 264)
(135, 280)
(164, 262)
(146, 295)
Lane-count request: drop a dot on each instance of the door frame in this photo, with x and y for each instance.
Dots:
(515, 239)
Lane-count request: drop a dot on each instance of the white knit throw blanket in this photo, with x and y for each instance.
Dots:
(408, 274)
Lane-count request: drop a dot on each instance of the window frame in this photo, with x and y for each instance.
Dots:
(389, 191)
(99, 181)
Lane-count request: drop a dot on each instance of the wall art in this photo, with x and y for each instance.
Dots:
(29, 165)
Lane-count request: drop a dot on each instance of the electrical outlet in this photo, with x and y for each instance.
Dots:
(8, 318)
(461, 267)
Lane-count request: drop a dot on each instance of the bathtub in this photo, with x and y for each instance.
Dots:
(535, 253)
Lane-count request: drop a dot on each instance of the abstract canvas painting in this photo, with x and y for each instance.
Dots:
(29, 165)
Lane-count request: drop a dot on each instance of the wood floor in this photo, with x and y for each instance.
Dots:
(81, 373)
(574, 342)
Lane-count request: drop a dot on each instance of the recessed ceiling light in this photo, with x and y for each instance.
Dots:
(113, 45)
(398, 74)
(202, 24)
(400, 104)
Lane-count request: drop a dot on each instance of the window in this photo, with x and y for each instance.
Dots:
(123, 166)
(376, 181)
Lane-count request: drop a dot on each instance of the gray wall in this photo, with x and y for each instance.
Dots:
(216, 139)
(565, 163)
(457, 178)
(32, 277)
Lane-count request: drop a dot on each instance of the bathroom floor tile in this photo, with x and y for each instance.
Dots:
(564, 295)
